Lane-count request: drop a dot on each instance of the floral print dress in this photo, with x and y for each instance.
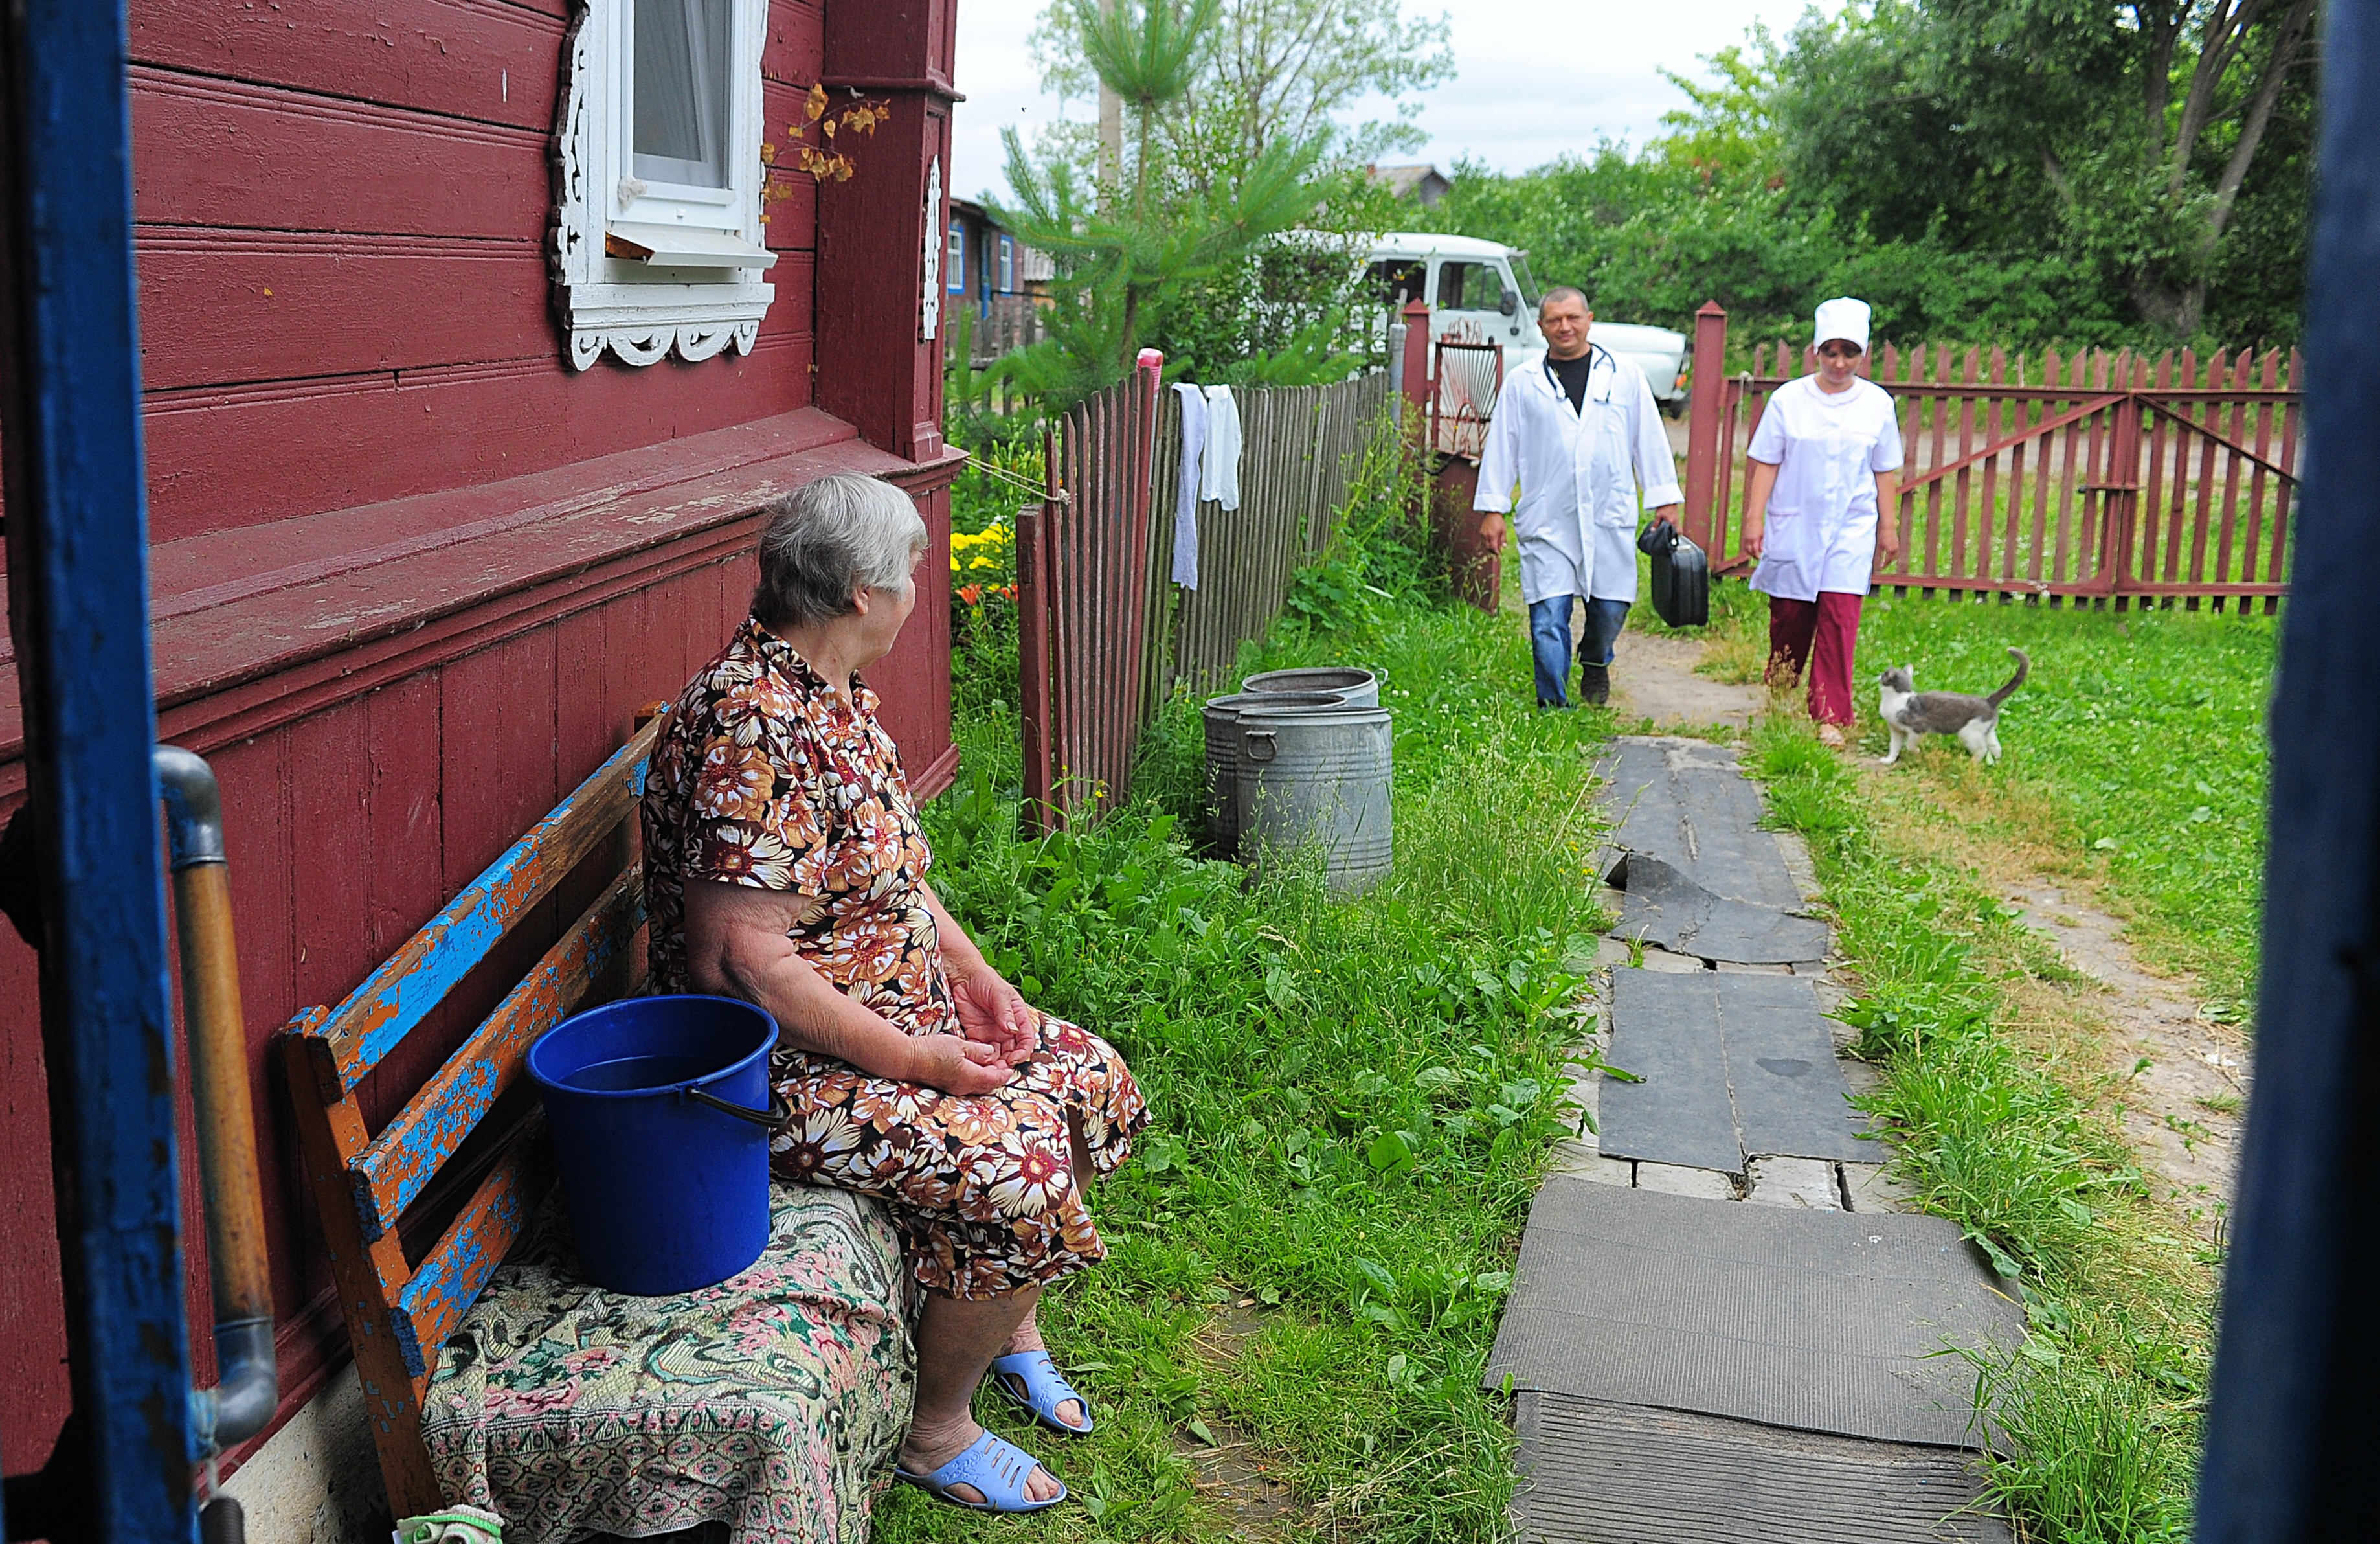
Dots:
(762, 776)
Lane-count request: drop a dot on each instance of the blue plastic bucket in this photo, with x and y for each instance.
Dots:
(660, 1114)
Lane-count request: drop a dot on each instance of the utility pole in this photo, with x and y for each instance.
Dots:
(1110, 132)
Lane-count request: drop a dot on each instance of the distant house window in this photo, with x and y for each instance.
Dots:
(954, 259)
(659, 245)
(1007, 265)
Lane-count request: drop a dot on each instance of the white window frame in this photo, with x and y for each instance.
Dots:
(955, 258)
(1008, 265)
(643, 270)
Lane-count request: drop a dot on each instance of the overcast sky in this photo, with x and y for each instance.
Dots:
(1533, 78)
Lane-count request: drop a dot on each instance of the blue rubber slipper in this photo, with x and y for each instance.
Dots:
(999, 1470)
(1045, 1389)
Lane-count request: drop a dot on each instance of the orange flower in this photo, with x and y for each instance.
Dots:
(735, 782)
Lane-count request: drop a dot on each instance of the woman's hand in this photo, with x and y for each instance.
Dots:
(1759, 481)
(955, 1064)
(1888, 517)
(993, 1014)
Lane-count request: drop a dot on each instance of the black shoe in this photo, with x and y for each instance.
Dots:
(1595, 684)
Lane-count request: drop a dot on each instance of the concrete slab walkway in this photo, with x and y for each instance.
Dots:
(1727, 1424)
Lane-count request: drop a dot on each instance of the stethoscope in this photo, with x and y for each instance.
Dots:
(1610, 377)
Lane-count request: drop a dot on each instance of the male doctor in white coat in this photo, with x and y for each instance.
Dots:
(1576, 427)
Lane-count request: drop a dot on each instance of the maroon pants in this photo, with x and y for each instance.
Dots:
(1817, 636)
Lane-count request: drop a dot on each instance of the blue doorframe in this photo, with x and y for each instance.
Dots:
(78, 561)
(2295, 1427)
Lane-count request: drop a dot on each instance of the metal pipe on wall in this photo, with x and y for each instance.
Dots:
(248, 1382)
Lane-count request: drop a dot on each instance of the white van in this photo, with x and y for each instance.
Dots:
(1482, 292)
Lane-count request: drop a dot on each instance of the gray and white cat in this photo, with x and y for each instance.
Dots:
(1909, 712)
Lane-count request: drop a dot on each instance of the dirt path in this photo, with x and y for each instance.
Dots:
(1653, 677)
(2180, 1078)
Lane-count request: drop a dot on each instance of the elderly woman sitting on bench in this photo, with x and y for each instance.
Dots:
(784, 865)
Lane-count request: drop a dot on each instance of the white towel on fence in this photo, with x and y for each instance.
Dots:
(1221, 481)
(1186, 502)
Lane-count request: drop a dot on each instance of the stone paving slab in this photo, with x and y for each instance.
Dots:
(1821, 1321)
(1660, 905)
(1733, 1066)
(1804, 1182)
(1688, 803)
(1597, 1473)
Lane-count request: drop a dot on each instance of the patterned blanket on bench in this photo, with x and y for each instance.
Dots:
(771, 1403)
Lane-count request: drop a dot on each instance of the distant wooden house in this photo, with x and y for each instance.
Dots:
(1001, 282)
(476, 335)
(1422, 183)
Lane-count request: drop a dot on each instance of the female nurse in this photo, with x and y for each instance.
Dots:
(1823, 461)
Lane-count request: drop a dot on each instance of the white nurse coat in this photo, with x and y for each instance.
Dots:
(1579, 472)
(1827, 447)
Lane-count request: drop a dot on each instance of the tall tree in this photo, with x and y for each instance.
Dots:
(1278, 69)
(1116, 254)
(2122, 130)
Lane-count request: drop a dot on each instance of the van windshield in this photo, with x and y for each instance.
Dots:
(1526, 280)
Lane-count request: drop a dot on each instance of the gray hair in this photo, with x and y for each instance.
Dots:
(829, 538)
(1563, 292)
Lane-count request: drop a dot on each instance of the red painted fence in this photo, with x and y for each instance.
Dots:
(1104, 635)
(1082, 576)
(2092, 476)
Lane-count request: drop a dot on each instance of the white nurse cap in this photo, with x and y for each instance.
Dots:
(1842, 317)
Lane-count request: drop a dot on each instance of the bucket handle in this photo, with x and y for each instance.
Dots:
(777, 1117)
(1271, 746)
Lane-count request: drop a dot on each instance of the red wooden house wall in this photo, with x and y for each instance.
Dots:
(412, 574)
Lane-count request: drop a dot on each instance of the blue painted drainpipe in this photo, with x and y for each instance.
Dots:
(78, 569)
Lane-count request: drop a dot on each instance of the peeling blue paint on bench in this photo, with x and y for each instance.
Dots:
(397, 997)
(449, 1280)
(405, 1156)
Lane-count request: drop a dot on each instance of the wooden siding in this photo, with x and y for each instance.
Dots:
(342, 212)
(414, 575)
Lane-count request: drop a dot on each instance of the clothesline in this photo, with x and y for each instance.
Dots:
(996, 470)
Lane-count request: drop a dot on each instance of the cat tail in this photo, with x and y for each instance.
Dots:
(2022, 666)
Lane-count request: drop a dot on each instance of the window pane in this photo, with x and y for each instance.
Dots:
(1527, 281)
(680, 118)
(1469, 287)
(1396, 282)
(1007, 265)
(954, 262)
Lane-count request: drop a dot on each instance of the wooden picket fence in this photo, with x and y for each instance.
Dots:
(1299, 446)
(2094, 477)
(1103, 633)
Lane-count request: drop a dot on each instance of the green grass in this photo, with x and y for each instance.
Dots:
(1352, 1099)
(2135, 754)
(2102, 1406)
(2142, 735)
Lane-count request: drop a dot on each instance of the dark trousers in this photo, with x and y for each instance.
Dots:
(1817, 636)
(1549, 643)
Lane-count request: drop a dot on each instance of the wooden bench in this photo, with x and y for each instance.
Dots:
(771, 1403)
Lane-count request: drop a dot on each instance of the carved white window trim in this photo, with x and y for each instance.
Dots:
(641, 310)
